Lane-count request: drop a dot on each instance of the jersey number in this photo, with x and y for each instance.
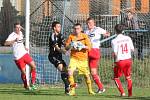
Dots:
(124, 48)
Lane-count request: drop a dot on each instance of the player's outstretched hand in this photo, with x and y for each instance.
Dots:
(107, 34)
(63, 50)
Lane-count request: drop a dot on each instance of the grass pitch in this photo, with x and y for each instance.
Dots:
(16, 92)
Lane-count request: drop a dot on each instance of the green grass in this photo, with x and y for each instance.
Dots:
(140, 71)
(16, 92)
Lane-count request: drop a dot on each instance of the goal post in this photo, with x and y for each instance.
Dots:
(27, 34)
(107, 13)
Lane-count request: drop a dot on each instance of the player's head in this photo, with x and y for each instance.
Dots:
(17, 27)
(90, 23)
(77, 28)
(119, 28)
(56, 26)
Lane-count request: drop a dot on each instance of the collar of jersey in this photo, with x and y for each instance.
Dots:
(119, 35)
(93, 30)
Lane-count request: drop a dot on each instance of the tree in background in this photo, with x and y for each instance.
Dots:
(8, 16)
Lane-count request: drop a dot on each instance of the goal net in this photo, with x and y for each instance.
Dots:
(107, 13)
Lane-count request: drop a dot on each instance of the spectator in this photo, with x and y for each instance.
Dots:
(131, 23)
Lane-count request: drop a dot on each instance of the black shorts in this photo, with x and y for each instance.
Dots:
(56, 60)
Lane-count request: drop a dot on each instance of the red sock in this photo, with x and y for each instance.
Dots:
(23, 77)
(119, 85)
(33, 76)
(97, 81)
(129, 81)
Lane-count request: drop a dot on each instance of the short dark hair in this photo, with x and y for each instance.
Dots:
(77, 24)
(17, 23)
(119, 28)
(54, 24)
(90, 18)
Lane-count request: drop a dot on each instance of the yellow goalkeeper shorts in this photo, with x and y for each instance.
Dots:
(80, 65)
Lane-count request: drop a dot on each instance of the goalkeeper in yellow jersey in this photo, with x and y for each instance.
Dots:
(79, 44)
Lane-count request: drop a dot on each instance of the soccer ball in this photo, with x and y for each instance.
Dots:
(80, 46)
(74, 44)
(77, 45)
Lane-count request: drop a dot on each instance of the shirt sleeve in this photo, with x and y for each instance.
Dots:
(52, 41)
(102, 31)
(62, 39)
(11, 37)
(114, 47)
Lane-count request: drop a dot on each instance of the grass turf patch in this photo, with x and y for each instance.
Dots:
(16, 92)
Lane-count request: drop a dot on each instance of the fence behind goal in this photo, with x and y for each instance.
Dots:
(106, 14)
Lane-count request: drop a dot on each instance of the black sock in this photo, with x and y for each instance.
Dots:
(64, 77)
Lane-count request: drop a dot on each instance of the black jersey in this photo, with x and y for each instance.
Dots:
(53, 41)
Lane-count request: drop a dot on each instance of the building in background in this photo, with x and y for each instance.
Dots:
(11, 11)
(139, 6)
(79, 9)
(18, 4)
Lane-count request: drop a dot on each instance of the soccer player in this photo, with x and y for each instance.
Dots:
(55, 53)
(79, 57)
(94, 54)
(21, 56)
(122, 47)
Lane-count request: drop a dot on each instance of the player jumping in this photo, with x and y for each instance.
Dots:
(21, 56)
(55, 53)
(94, 54)
(122, 46)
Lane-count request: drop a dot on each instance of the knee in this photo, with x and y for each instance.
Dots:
(116, 78)
(64, 69)
(93, 72)
(95, 76)
(23, 72)
(70, 73)
(87, 77)
(32, 65)
(128, 78)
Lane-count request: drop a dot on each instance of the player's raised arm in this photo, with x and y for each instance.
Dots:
(10, 40)
(104, 32)
(8, 43)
